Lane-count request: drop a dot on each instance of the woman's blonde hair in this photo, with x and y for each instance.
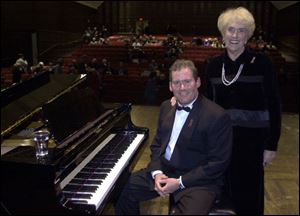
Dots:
(239, 14)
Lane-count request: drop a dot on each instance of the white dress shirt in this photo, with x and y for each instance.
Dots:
(180, 118)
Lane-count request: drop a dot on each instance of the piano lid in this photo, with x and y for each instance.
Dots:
(15, 112)
(71, 111)
(18, 90)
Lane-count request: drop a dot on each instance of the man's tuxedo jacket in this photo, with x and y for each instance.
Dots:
(202, 151)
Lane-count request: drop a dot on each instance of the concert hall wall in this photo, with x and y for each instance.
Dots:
(61, 21)
(288, 21)
(189, 17)
(53, 21)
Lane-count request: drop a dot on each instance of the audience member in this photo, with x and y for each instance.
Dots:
(173, 47)
(121, 71)
(58, 68)
(73, 67)
(87, 36)
(106, 67)
(104, 32)
(19, 68)
(82, 64)
(197, 41)
(151, 89)
(22, 62)
(37, 68)
(95, 77)
(16, 73)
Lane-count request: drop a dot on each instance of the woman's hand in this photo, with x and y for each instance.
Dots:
(268, 157)
(173, 101)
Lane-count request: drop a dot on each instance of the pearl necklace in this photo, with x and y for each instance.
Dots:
(225, 81)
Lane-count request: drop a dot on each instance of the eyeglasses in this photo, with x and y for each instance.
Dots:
(178, 83)
(232, 30)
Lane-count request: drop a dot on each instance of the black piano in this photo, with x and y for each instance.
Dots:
(92, 150)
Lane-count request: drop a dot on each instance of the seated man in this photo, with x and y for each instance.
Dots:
(190, 151)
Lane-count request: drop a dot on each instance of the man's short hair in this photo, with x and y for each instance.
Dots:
(179, 64)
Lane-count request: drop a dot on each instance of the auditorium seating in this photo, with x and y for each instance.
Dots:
(131, 88)
(6, 77)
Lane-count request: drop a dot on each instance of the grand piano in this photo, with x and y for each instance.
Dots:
(92, 150)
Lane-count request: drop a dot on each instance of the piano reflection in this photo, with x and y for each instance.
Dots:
(92, 150)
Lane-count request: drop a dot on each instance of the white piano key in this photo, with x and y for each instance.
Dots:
(104, 188)
(85, 161)
(108, 182)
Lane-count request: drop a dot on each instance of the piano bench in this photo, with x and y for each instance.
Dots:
(222, 206)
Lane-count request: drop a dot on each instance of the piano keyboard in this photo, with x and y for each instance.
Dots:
(91, 181)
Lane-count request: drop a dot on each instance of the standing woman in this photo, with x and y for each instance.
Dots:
(245, 84)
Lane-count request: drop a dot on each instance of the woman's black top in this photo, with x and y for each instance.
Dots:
(253, 100)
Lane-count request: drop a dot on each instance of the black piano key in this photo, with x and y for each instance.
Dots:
(105, 160)
(80, 188)
(79, 202)
(109, 156)
(97, 169)
(102, 170)
(77, 195)
(120, 151)
(93, 174)
(86, 181)
(88, 188)
(96, 165)
(107, 165)
(72, 187)
(103, 175)
(100, 156)
(92, 165)
(90, 175)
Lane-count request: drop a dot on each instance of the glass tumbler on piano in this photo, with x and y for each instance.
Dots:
(41, 139)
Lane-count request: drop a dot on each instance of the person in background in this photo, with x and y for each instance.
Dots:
(58, 68)
(22, 62)
(122, 70)
(20, 67)
(189, 153)
(16, 73)
(106, 67)
(245, 84)
(37, 68)
(95, 77)
(151, 89)
(73, 67)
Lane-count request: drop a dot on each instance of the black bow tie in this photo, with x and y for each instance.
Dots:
(187, 109)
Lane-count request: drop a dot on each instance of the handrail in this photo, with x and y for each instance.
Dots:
(50, 48)
(58, 44)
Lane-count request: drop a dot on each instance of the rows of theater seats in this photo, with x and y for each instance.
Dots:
(6, 77)
(131, 88)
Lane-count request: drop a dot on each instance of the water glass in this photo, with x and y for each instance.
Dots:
(41, 139)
